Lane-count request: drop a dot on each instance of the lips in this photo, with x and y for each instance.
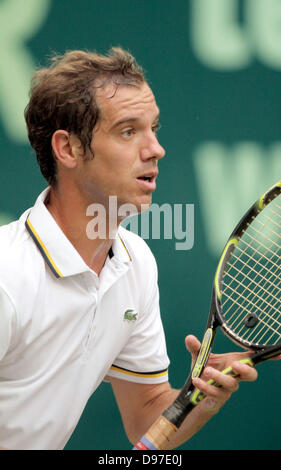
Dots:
(149, 177)
(147, 181)
(145, 178)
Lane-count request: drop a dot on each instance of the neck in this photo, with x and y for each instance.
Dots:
(87, 231)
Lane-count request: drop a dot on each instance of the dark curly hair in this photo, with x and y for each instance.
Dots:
(62, 96)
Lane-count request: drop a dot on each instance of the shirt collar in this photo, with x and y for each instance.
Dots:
(58, 252)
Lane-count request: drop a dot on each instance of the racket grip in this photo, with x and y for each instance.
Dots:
(158, 435)
(198, 396)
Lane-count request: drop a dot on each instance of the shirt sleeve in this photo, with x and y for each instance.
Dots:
(6, 318)
(144, 359)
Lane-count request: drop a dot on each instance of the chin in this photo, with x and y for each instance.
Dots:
(134, 205)
(143, 203)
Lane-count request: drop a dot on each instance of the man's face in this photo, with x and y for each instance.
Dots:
(125, 147)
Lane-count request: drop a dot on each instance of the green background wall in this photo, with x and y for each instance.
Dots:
(214, 66)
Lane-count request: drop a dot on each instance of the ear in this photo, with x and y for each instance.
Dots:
(67, 148)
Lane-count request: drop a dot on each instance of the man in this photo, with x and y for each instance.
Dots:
(77, 307)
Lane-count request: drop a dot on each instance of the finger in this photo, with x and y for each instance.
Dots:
(245, 372)
(227, 382)
(210, 391)
(215, 397)
(192, 345)
(276, 358)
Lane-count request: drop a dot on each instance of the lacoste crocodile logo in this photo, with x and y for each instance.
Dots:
(130, 315)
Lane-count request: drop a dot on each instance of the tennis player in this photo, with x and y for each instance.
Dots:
(78, 293)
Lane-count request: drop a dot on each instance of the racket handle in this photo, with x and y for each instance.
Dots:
(198, 396)
(158, 435)
(161, 431)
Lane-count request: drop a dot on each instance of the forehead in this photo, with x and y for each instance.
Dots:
(126, 101)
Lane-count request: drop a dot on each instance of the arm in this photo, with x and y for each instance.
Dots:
(140, 404)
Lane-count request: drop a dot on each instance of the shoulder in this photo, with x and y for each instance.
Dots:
(12, 239)
(18, 260)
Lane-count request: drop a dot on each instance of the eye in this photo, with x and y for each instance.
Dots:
(156, 127)
(128, 133)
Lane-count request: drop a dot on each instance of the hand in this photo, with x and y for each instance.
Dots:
(216, 397)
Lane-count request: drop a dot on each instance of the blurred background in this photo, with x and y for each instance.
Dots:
(214, 66)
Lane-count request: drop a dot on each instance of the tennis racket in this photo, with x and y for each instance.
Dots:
(245, 303)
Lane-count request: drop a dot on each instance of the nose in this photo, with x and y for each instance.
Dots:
(152, 148)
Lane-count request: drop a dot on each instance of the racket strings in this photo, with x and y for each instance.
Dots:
(262, 319)
(261, 303)
(258, 264)
(259, 297)
(253, 270)
(275, 275)
(253, 239)
(242, 252)
(252, 280)
(273, 281)
(265, 309)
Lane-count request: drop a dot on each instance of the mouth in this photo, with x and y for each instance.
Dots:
(148, 180)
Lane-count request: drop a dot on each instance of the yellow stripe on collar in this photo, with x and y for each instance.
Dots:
(42, 248)
(124, 246)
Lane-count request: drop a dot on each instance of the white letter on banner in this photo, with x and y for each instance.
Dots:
(218, 39)
(264, 18)
(19, 21)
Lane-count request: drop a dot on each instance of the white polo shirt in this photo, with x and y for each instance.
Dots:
(63, 329)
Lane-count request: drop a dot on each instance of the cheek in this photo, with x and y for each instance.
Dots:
(114, 163)
(119, 163)
(112, 170)
(109, 175)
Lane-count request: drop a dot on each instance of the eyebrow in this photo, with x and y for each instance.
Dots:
(131, 119)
